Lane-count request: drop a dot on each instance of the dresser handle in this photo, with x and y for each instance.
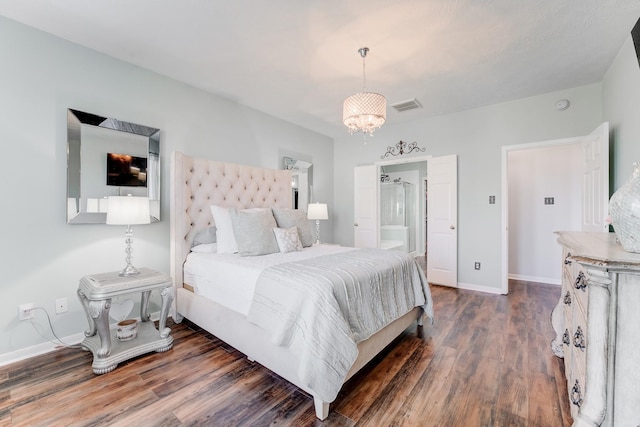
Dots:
(576, 394)
(567, 261)
(567, 298)
(565, 337)
(581, 282)
(578, 339)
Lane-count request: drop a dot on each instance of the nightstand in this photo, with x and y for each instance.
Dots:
(96, 291)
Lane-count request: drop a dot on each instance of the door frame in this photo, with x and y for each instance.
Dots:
(504, 288)
(420, 249)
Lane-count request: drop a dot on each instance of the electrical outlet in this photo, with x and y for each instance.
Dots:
(61, 306)
(492, 200)
(477, 266)
(25, 311)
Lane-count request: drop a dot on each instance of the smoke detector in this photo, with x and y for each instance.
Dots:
(410, 104)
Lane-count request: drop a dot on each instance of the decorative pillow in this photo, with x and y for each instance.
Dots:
(208, 235)
(288, 240)
(224, 230)
(254, 232)
(287, 218)
(205, 248)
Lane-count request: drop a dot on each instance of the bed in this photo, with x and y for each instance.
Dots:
(195, 185)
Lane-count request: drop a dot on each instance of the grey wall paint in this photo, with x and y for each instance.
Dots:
(42, 258)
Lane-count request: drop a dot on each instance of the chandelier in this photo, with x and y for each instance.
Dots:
(364, 111)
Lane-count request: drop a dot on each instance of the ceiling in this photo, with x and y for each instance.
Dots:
(298, 59)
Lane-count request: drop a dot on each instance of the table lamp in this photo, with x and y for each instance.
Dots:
(128, 210)
(317, 211)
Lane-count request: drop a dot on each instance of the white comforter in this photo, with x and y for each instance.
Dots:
(321, 308)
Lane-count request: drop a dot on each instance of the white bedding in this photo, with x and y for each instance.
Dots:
(230, 279)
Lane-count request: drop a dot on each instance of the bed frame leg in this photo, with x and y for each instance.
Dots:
(420, 319)
(322, 408)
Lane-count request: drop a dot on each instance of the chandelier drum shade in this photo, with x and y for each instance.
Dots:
(364, 111)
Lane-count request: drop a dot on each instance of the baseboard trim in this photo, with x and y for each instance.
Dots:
(478, 288)
(38, 349)
(548, 280)
(48, 347)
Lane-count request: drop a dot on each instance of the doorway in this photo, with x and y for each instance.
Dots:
(591, 169)
(441, 173)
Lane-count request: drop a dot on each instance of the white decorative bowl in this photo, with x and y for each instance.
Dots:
(127, 329)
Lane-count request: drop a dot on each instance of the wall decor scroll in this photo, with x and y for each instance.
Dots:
(402, 148)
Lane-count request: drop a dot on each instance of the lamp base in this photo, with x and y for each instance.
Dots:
(317, 232)
(129, 270)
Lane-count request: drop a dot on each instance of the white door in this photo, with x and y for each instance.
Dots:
(365, 203)
(442, 220)
(595, 178)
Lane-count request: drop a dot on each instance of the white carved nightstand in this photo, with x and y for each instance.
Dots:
(95, 292)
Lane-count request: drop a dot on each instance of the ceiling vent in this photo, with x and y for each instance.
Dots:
(410, 104)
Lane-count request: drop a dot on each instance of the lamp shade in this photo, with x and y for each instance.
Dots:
(317, 211)
(128, 210)
(364, 111)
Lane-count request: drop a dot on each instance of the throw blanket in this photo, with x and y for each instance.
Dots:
(321, 308)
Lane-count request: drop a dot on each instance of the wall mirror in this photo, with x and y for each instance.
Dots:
(302, 181)
(109, 157)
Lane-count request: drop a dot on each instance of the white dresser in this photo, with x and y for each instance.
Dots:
(597, 325)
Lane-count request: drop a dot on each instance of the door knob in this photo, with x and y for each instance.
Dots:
(453, 227)
(355, 224)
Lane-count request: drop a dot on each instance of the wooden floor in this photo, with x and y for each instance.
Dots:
(485, 362)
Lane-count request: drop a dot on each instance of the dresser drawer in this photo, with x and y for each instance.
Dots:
(580, 290)
(576, 372)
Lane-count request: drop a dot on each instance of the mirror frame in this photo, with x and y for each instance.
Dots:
(75, 120)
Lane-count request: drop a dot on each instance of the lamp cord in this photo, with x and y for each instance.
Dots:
(60, 342)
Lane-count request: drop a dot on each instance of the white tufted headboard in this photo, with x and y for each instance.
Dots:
(198, 183)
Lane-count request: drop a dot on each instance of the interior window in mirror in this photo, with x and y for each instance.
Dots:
(109, 157)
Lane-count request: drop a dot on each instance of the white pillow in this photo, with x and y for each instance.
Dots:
(225, 238)
(288, 239)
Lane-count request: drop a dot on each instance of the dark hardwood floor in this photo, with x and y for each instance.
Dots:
(485, 362)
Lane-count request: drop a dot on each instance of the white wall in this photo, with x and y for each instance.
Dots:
(42, 258)
(476, 136)
(533, 175)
